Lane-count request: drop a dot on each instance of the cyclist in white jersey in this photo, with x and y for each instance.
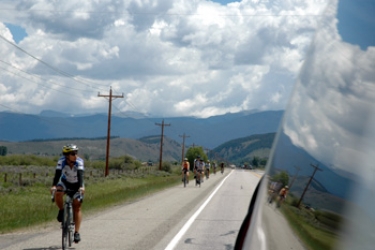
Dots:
(69, 175)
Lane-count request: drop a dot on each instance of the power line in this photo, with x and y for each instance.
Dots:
(61, 72)
(174, 14)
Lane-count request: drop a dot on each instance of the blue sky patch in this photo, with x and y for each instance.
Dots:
(357, 22)
(18, 32)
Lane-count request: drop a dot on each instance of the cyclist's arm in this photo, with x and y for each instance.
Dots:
(80, 178)
(57, 177)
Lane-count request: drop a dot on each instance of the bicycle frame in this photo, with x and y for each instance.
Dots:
(185, 178)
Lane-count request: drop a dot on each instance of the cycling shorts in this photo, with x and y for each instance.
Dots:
(70, 186)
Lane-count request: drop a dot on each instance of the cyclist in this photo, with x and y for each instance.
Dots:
(214, 167)
(208, 166)
(222, 167)
(69, 175)
(185, 169)
(282, 195)
(198, 170)
(202, 167)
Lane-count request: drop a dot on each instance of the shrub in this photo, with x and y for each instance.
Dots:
(166, 166)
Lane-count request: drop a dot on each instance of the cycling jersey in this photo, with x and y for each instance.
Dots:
(69, 175)
(185, 165)
(198, 166)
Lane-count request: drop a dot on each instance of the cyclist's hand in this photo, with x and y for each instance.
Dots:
(53, 189)
(82, 190)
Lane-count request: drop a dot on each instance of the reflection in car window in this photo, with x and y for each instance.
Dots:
(323, 153)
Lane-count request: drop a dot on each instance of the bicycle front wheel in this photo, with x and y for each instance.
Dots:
(70, 227)
(65, 230)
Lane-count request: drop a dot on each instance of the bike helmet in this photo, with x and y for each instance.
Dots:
(69, 148)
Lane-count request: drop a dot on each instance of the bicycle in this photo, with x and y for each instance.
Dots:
(67, 225)
(185, 178)
(198, 178)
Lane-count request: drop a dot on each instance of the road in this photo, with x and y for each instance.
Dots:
(206, 217)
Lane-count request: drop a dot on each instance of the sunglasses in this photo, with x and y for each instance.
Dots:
(73, 153)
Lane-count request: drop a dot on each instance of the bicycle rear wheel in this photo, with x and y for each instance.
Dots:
(185, 180)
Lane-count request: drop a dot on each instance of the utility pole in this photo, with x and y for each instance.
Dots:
(294, 177)
(161, 142)
(308, 183)
(183, 146)
(110, 97)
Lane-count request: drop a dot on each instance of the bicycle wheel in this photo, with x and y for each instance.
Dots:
(70, 227)
(64, 230)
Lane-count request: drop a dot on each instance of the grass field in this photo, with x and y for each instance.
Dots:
(312, 231)
(27, 202)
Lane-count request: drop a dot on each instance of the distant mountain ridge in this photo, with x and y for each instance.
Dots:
(207, 132)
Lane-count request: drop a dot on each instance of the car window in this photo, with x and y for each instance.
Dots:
(320, 180)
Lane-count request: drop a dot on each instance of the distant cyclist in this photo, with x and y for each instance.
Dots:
(69, 175)
(222, 167)
(198, 169)
(208, 166)
(185, 169)
(282, 195)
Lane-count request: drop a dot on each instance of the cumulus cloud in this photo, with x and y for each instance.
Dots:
(169, 58)
(333, 104)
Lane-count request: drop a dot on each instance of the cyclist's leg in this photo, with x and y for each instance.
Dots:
(77, 214)
(60, 195)
(60, 201)
(59, 198)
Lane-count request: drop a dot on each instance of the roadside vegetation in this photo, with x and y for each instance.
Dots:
(317, 229)
(25, 181)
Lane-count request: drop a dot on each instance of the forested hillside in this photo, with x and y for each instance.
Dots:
(244, 149)
(146, 148)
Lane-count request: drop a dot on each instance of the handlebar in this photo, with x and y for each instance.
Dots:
(77, 195)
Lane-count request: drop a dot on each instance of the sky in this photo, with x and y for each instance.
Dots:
(161, 58)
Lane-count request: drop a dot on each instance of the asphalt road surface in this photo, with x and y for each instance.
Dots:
(206, 217)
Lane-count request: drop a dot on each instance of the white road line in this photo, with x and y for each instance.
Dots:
(187, 225)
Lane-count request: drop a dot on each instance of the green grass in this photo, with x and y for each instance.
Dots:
(308, 230)
(27, 206)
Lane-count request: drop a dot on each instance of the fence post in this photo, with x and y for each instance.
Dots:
(5, 177)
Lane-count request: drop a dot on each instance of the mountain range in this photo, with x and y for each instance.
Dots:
(234, 137)
(206, 132)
